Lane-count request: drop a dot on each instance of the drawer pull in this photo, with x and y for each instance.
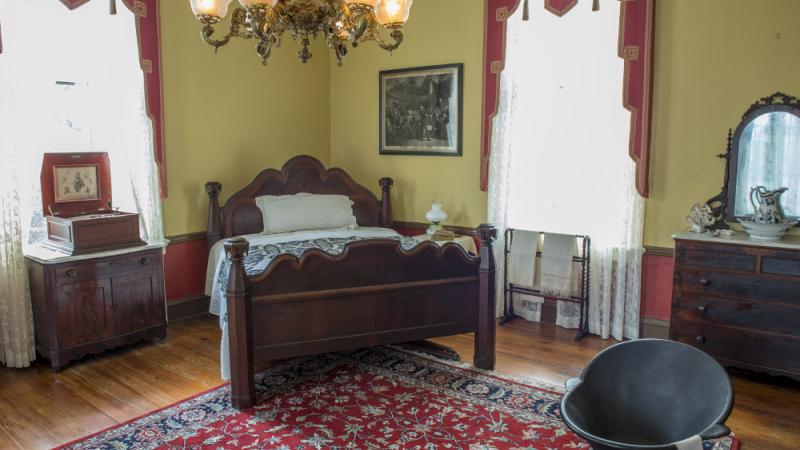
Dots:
(702, 309)
(700, 339)
(72, 273)
(704, 282)
(146, 260)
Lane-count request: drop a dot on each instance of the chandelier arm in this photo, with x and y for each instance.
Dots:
(208, 31)
(361, 27)
(238, 29)
(397, 35)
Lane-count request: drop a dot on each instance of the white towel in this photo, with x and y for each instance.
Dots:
(556, 270)
(529, 307)
(522, 258)
(693, 443)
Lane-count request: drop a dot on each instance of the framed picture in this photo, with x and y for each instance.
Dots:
(420, 110)
(75, 183)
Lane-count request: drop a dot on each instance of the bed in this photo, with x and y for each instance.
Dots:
(312, 292)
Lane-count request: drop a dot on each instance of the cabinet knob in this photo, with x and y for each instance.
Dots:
(702, 309)
(700, 339)
(145, 260)
(72, 273)
(704, 281)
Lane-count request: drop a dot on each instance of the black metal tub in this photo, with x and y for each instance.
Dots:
(648, 394)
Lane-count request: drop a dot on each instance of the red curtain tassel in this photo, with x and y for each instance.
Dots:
(112, 7)
(596, 5)
(525, 13)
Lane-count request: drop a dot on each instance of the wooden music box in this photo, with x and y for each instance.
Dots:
(76, 197)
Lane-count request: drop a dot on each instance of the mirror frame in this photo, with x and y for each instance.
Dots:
(723, 204)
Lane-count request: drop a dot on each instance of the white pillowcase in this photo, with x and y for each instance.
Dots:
(286, 213)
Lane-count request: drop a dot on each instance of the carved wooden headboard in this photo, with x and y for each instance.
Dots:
(240, 215)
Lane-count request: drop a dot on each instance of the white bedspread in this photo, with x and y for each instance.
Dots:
(216, 257)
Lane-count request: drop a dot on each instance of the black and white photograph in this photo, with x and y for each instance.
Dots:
(420, 110)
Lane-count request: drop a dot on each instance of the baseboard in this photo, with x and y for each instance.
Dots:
(654, 328)
(185, 308)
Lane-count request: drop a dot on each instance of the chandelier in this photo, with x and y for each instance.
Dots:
(341, 22)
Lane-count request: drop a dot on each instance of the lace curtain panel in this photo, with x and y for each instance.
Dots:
(71, 94)
(559, 158)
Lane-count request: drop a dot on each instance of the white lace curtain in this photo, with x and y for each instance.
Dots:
(71, 82)
(559, 156)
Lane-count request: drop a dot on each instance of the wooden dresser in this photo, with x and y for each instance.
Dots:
(90, 303)
(739, 300)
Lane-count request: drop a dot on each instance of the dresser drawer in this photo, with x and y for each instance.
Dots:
(106, 267)
(757, 316)
(753, 287)
(720, 258)
(742, 346)
(781, 266)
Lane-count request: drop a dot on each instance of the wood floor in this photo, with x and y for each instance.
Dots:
(40, 409)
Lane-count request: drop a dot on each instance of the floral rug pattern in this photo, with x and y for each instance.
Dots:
(380, 398)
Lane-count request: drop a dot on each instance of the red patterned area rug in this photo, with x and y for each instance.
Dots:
(380, 398)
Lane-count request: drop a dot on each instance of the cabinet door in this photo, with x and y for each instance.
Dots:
(138, 301)
(84, 312)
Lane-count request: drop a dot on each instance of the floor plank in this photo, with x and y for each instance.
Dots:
(41, 409)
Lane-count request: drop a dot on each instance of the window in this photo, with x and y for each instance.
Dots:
(72, 82)
(560, 153)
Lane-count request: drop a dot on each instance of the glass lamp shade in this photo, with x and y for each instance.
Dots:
(370, 3)
(247, 3)
(393, 13)
(212, 8)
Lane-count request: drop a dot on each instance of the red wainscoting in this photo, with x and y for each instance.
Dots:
(657, 286)
(185, 268)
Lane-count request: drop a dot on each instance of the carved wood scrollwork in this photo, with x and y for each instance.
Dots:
(240, 215)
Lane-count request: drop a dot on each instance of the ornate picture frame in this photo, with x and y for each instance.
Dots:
(420, 110)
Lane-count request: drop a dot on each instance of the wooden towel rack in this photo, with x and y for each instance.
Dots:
(584, 258)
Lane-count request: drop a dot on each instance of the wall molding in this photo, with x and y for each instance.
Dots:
(651, 250)
(466, 231)
(188, 237)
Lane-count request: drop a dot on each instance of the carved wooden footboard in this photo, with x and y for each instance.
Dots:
(373, 293)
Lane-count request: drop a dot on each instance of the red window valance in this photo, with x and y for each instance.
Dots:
(635, 47)
(147, 29)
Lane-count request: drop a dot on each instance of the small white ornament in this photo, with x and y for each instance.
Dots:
(700, 217)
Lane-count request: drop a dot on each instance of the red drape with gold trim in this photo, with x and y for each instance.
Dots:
(148, 31)
(637, 21)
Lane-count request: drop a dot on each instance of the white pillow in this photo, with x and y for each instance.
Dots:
(286, 213)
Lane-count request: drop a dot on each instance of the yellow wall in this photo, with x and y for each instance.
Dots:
(713, 59)
(227, 117)
(439, 32)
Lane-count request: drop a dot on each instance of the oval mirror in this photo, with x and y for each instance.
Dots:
(768, 154)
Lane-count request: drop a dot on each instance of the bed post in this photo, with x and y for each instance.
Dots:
(240, 330)
(485, 335)
(386, 219)
(214, 227)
